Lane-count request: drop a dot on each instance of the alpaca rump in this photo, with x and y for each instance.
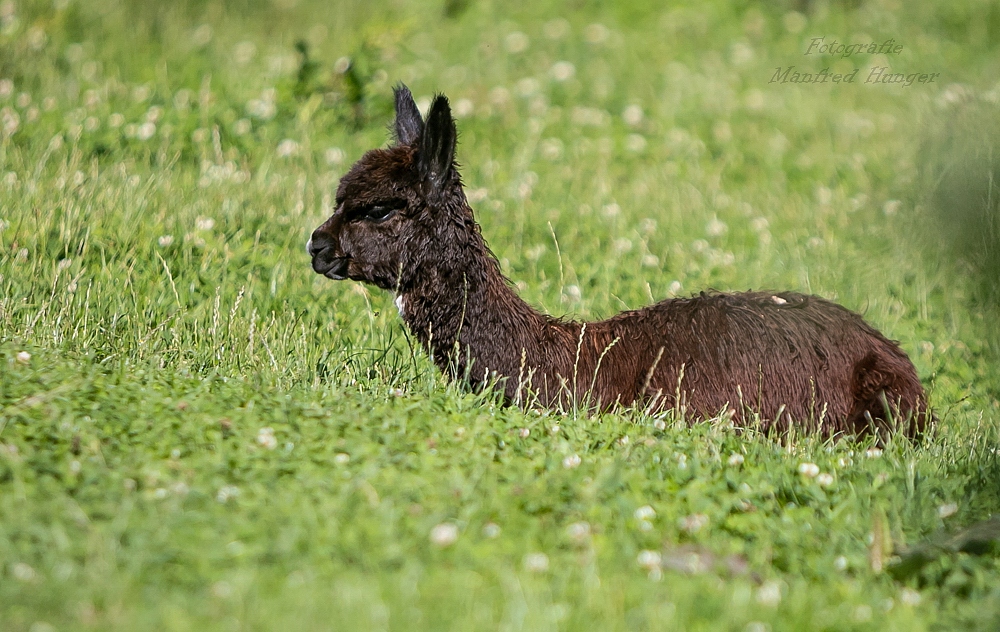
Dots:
(783, 360)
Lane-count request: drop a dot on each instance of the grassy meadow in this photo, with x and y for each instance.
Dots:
(199, 433)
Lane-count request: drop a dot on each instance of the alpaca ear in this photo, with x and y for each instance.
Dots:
(408, 124)
(437, 145)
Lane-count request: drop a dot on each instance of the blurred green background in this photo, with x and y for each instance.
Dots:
(198, 432)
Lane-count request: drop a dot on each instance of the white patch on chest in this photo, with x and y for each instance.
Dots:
(400, 305)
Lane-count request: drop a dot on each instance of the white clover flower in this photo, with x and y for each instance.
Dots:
(873, 453)
(769, 594)
(287, 147)
(527, 86)
(578, 532)
(556, 29)
(263, 108)
(840, 563)
(632, 115)
(266, 438)
(10, 121)
(23, 572)
(182, 99)
(444, 534)
(644, 513)
(226, 492)
(499, 95)
(735, 459)
(202, 35)
(6, 88)
(910, 597)
(37, 38)
(572, 461)
(596, 33)
(536, 562)
(621, 246)
(741, 53)
(635, 143)
(517, 42)
(145, 131)
(825, 479)
(693, 523)
(342, 458)
(947, 510)
(794, 22)
(824, 195)
(222, 590)
(562, 71)
(491, 530)
(204, 223)
(23, 357)
(863, 613)
(891, 207)
(582, 115)
(243, 53)
(722, 131)
(464, 108)
(334, 156)
(649, 560)
(242, 127)
(716, 227)
(809, 470)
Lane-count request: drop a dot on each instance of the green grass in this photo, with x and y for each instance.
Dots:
(198, 432)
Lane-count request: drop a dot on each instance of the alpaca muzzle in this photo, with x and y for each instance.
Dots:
(325, 261)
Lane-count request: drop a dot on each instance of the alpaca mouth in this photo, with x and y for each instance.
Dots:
(335, 268)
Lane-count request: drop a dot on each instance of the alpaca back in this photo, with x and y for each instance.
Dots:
(788, 357)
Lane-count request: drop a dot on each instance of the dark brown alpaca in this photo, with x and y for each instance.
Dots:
(402, 223)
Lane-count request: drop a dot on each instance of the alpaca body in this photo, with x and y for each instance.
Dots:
(402, 223)
(787, 357)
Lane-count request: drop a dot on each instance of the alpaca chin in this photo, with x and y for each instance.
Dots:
(400, 305)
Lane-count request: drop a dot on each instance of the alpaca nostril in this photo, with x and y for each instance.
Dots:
(318, 243)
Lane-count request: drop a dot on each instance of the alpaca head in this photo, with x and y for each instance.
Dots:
(399, 210)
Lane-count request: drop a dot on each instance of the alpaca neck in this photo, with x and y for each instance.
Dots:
(475, 326)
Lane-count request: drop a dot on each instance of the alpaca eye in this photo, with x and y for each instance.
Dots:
(377, 212)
